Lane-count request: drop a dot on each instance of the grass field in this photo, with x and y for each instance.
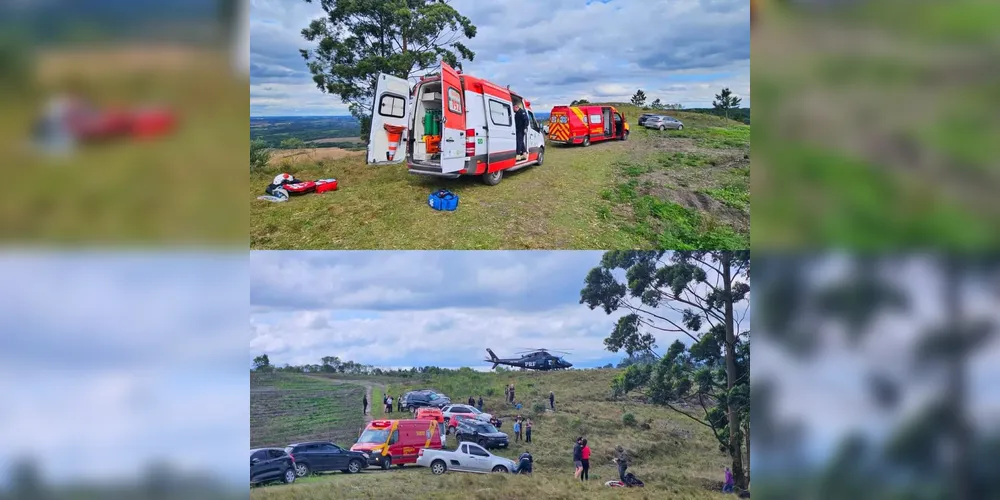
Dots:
(286, 408)
(677, 458)
(631, 194)
(173, 189)
(839, 163)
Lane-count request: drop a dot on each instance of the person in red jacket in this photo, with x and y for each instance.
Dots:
(585, 455)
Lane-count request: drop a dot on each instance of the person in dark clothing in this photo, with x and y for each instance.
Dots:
(524, 464)
(472, 401)
(552, 400)
(527, 431)
(578, 457)
(480, 405)
(521, 127)
(399, 403)
(365, 405)
(623, 459)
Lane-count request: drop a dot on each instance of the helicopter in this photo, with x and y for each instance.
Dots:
(533, 359)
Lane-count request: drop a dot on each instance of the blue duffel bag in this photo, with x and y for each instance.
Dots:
(443, 200)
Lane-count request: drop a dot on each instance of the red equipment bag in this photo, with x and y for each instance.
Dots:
(300, 187)
(324, 185)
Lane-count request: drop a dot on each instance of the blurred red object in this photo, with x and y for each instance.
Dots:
(111, 123)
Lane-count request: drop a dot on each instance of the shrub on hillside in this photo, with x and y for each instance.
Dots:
(260, 154)
(628, 420)
(539, 407)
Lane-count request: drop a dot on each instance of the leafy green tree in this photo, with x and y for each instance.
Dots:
(639, 98)
(713, 372)
(260, 154)
(292, 143)
(358, 39)
(579, 102)
(867, 290)
(725, 101)
(262, 364)
(656, 104)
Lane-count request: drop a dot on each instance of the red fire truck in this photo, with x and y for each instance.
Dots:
(586, 124)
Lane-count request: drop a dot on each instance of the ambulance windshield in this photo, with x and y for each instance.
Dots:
(376, 436)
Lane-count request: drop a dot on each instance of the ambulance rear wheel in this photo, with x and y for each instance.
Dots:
(493, 178)
(386, 463)
(586, 141)
(541, 155)
(625, 136)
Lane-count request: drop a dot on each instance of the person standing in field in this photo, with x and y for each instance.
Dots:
(727, 487)
(552, 400)
(517, 430)
(585, 460)
(364, 404)
(527, 431)
(578, 457)
(480, 406)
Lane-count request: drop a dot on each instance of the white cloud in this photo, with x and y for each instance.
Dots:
(680, 51)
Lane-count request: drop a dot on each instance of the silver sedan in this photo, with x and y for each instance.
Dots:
(663, 123)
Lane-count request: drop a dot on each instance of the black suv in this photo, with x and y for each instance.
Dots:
(271, 464)
(481, 433)
(324, 456)
(420, 399)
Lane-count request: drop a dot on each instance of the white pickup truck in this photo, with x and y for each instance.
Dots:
(469, 457)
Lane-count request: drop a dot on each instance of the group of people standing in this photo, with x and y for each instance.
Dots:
(581, 459)
(509, 393)
(522, 424)
(477, 404)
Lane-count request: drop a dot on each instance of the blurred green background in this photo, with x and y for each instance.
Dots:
(877, 124)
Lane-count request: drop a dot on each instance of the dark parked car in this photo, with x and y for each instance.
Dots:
(271, 464)
(481, 433)
(324, 456)
(420, 399)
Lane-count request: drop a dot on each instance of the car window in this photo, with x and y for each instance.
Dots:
(499, 115)
(460, 410)
(330, 448)
(288, 449)
(465, 448)
(275, 453)
(258, 455)
(477, 451)
(394, 438)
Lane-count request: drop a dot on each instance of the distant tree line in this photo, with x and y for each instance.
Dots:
(333, 364)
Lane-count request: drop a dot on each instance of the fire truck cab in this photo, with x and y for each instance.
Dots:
(586, 124)
(451, 125)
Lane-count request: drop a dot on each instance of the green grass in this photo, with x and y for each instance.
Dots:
(285, 408)
(839, 164)
(652, 189)
(676, 457)
(560, 205)
(179, 188)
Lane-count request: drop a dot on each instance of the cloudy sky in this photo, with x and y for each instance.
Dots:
(681, 51)
(401, 309)
(137, 357)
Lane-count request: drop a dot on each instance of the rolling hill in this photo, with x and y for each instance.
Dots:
(676, 457)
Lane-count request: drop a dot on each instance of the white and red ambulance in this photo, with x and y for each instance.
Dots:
(449, 125)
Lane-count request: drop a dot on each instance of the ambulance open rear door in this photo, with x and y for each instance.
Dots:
(453, 145)
(390, 121)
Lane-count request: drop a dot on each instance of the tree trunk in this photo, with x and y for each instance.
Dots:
(957, 382)
(734, 423)
(746, 436)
